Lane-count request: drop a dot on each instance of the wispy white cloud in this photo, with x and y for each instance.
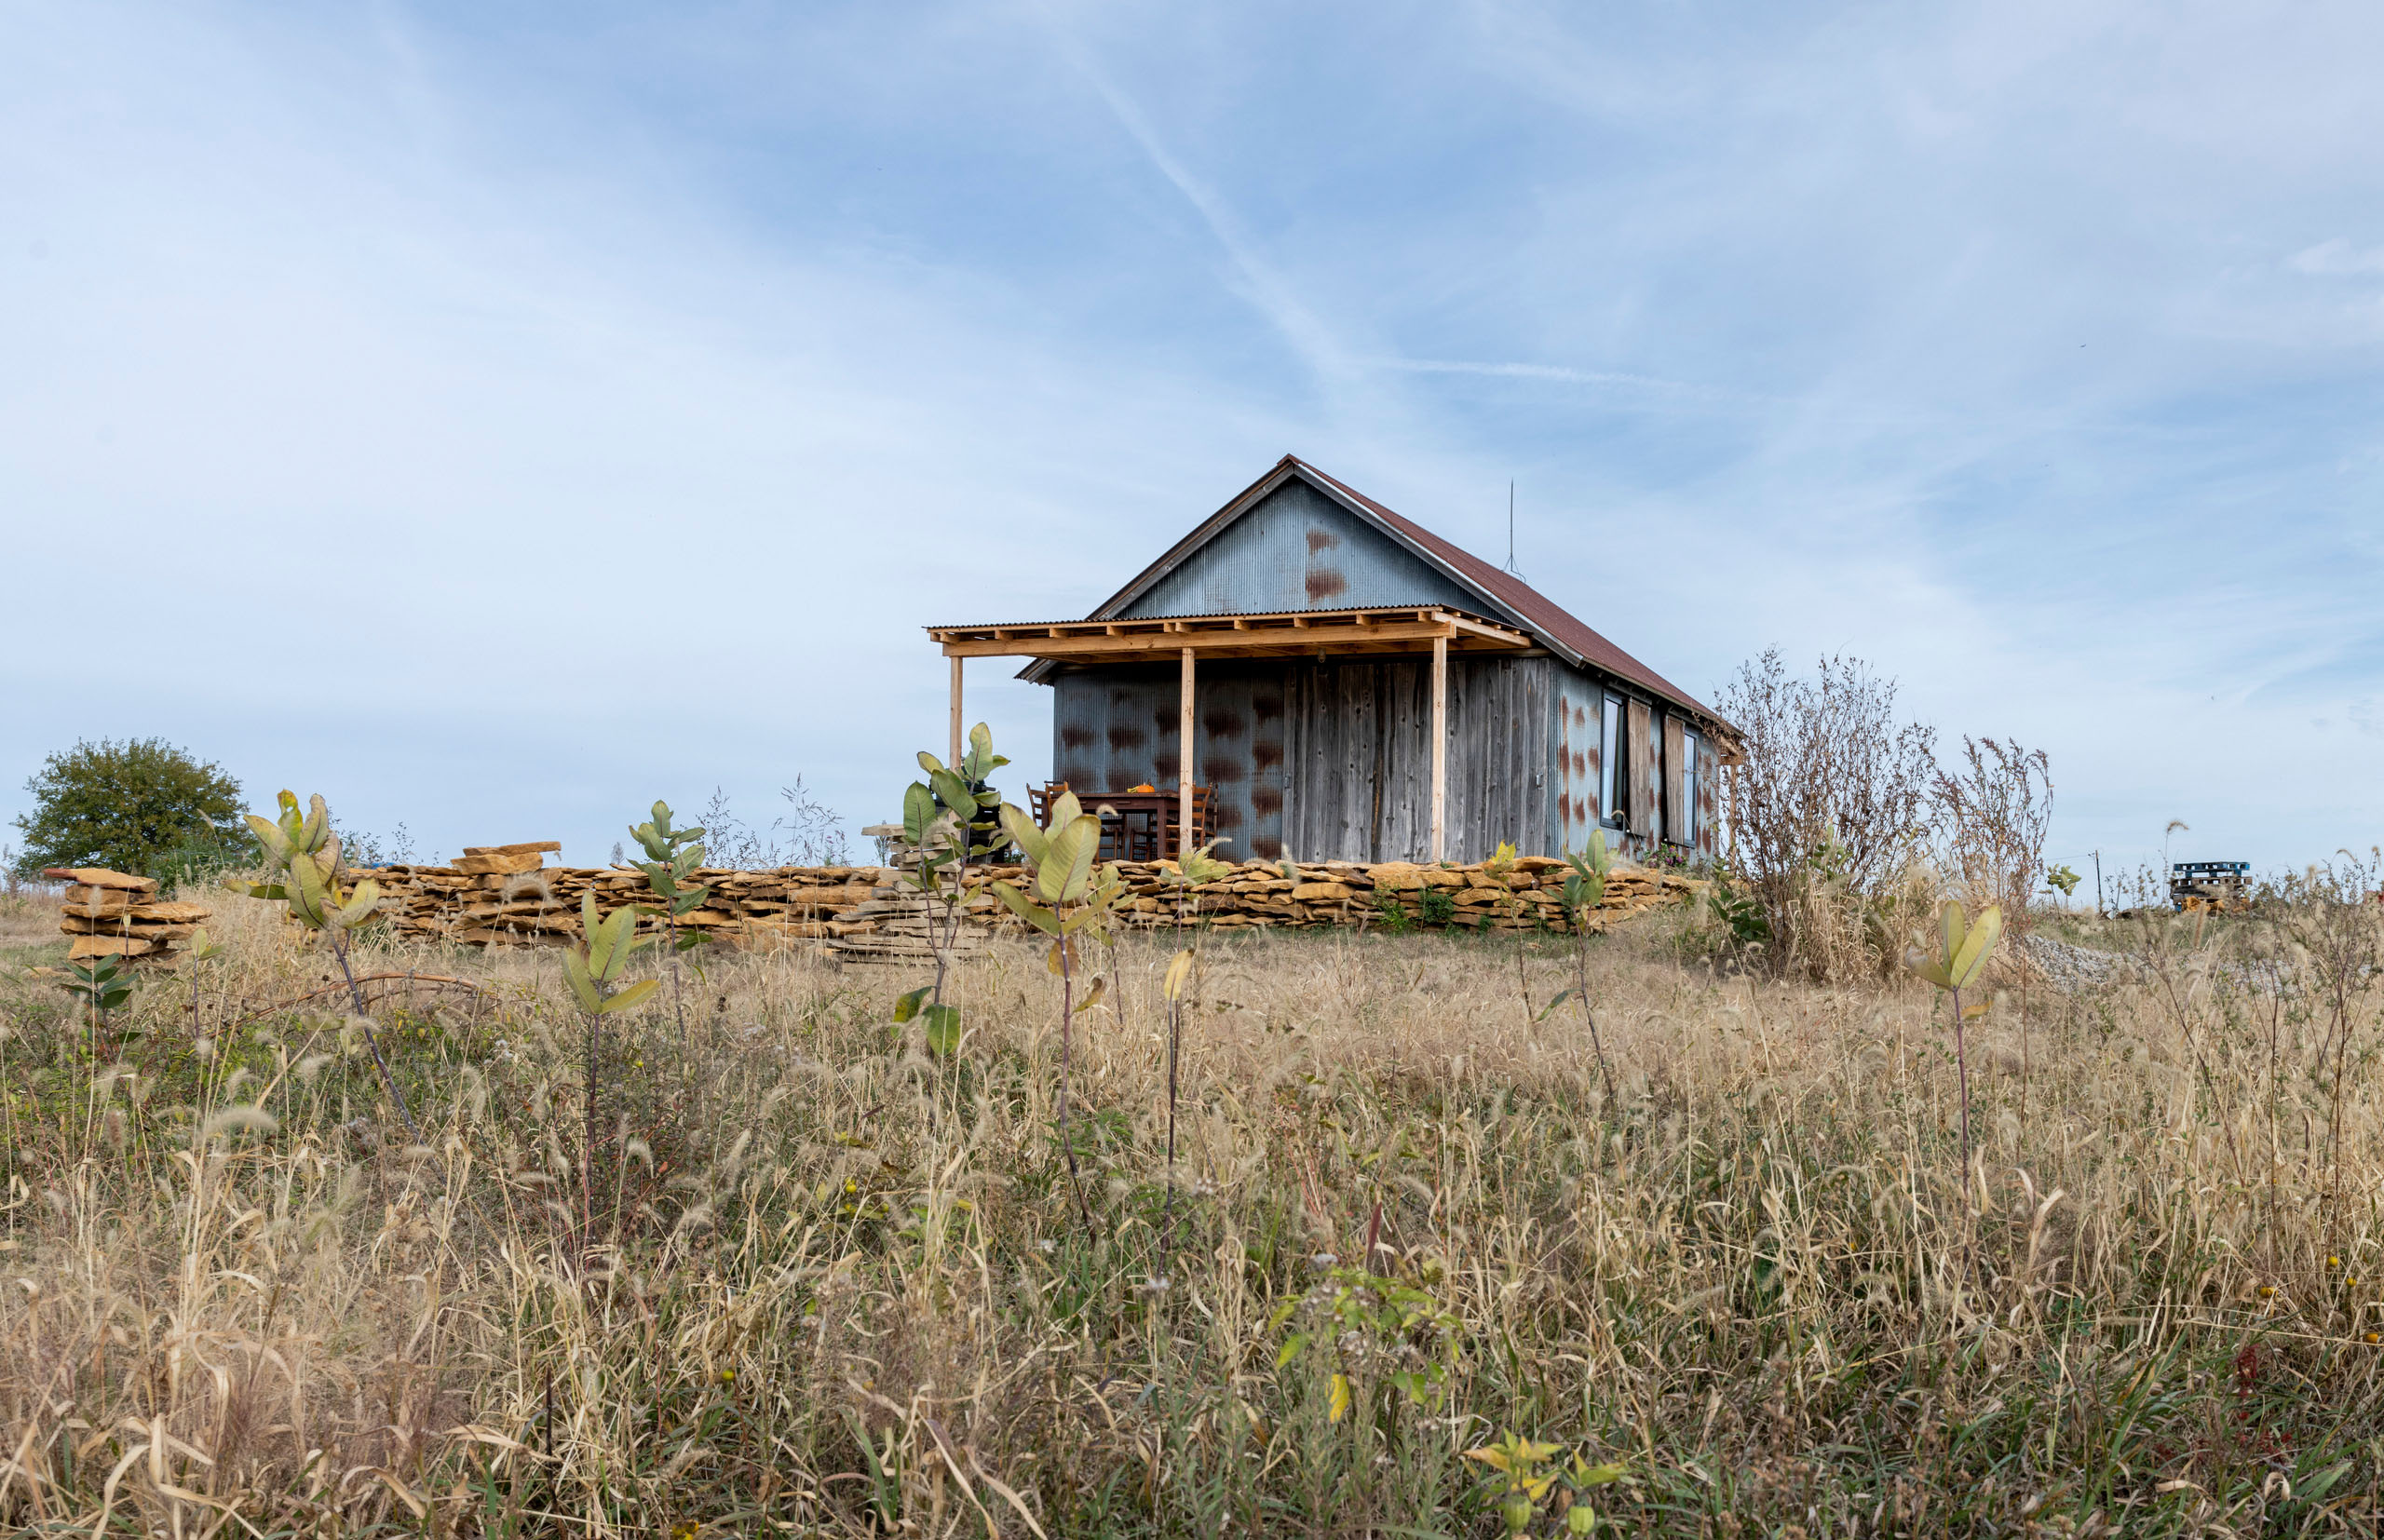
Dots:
(1257, 278)
(2337, 258)
(675, 366)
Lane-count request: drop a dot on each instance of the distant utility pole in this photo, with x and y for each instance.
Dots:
(2098, 884)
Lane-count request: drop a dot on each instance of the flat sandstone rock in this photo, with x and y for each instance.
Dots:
(100, 876)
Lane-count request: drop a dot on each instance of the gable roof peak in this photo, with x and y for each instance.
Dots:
(1502, 592)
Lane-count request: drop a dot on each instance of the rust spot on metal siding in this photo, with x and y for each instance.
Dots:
(1076, 737)
(1266, 849)
(1265, 755)
(1580, 768)
(1266, 707)
(1224, 723)
(1265, 800)
(1323, 583)
(1165, 766)
(1223, 772)
(1122, 738)
(1322, 540)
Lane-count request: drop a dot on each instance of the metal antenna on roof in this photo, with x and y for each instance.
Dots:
(1511, 530)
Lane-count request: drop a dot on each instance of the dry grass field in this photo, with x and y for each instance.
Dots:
(826, 1284)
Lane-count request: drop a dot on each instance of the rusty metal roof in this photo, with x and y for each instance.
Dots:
(1508, 595)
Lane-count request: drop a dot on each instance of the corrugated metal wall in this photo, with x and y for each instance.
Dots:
(1580, 751)
(1329, 761)
(1112, 728)
(1298, 550)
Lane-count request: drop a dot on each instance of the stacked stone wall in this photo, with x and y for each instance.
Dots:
(515, 899)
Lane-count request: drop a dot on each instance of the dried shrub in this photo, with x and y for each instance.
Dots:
(1993, 810)
(1829, 813)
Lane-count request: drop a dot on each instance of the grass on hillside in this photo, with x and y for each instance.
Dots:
(836, 1287)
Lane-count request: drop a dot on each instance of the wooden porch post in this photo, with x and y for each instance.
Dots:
(954, 762)
(1183, 760)
(1440, 745)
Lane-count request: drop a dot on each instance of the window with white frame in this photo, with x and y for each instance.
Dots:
(1692, 749)
(1612, 771)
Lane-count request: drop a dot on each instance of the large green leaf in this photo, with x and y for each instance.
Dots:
(309, 899)
(269, 835)
(906, 1007)
(1063, 875)
(918, 812)
(574, 973)
(617, 933)
(943, 1030)
(1027, 909)
(954, 790)
(361, 908)
(318, 826)
(1953, 923)
(1022, 832)
(631, 997)
(1976, 947)
(591, 929)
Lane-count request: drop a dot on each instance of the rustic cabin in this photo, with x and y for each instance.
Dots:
(1353, 687)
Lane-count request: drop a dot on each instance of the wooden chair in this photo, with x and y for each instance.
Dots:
(1040, 798)
(1177, 839)
(1128, 835)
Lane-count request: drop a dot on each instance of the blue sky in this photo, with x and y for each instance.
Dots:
(498, 417)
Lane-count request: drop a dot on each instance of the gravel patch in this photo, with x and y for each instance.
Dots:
(2071, 969)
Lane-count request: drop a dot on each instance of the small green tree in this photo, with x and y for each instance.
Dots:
(1196, 867)
(1962, 950)
(592, 968)
(1584, 890)
(671, 855)
(1065, 897)
(950, 818)
(301, 862)
(101, 985)
(129, 807)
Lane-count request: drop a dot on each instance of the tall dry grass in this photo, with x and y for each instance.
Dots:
(841, 1288)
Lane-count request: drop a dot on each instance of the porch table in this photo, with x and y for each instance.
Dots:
(1145, 820)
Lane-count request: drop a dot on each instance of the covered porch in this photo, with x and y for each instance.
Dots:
(1236, 656)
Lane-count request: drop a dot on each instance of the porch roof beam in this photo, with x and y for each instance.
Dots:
(1291, 635)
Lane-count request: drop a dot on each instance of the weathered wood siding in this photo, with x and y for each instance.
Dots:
(1358, 740)
(1675, 818)
(1639, 755)
(1298, 550)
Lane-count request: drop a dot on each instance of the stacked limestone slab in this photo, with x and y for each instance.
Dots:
(1524, 895)
(116, 915)
(504, 894)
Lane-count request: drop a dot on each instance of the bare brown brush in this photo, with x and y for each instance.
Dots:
(838, 1286)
